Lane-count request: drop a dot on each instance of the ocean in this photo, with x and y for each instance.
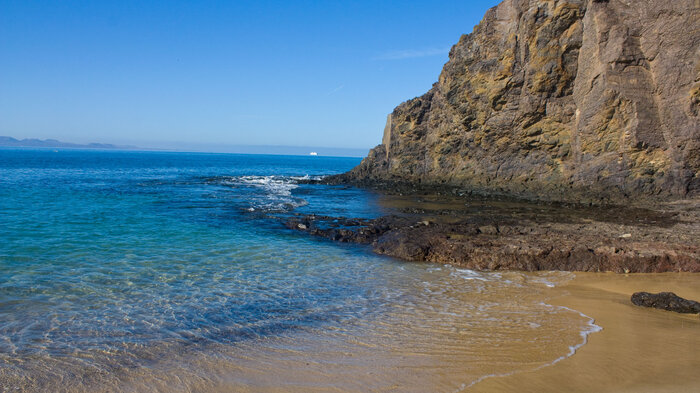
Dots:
(173, 272)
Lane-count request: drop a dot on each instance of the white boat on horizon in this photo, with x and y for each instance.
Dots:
(313, 153)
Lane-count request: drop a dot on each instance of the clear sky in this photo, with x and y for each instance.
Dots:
(299, 73)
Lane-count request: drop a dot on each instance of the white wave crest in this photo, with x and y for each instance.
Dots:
(272, 193)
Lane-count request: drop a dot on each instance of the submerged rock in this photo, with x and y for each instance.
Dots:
(570, 100)
(668, 301)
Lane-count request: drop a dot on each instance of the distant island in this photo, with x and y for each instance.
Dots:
(6, 141)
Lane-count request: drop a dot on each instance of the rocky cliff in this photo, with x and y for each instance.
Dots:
(573, 100)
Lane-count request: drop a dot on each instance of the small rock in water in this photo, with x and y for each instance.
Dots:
(666, 301)
(301, 226)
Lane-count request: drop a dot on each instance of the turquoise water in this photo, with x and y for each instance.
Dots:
(116, 261)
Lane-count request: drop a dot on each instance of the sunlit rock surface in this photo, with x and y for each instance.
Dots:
(582, 101)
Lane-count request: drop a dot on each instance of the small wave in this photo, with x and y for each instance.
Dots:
(588, 329)
(308, 177)
(277, 185)
(525, 280)
(551, 279)
(267, 193)
(468, 274)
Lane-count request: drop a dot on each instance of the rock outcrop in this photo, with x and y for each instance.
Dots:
(668, 301)
(496, 240)
(570, 100)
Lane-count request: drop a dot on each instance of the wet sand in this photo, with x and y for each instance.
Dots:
(435, 328)
(638, 350)
(445, 347)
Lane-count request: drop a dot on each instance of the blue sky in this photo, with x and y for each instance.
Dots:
(299, 73)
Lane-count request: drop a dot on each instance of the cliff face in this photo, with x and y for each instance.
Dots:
(558, 100)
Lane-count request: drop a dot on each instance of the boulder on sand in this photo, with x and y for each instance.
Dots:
(666, 301)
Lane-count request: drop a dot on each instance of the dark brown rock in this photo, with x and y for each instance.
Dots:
(569, 100)
(668, 301)
(528, 237)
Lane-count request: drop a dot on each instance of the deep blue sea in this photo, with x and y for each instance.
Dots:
(164, 271)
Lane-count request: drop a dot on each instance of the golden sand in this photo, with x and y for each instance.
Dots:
(639, 349)
(447, 342)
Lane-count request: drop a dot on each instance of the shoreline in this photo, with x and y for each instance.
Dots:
(493, 234)
(614, 252)
(637, 350)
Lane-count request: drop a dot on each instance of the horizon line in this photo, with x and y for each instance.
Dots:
(190, 147)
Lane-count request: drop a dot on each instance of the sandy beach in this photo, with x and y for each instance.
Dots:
(638, 350)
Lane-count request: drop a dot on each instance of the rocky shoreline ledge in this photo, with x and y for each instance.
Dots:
(584, 102)
(498, 234)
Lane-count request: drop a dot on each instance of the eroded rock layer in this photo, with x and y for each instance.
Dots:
(573, 100)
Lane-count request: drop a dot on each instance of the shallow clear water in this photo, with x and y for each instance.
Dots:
(155, 271)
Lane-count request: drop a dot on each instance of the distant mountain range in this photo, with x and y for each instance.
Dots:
(6, 141)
